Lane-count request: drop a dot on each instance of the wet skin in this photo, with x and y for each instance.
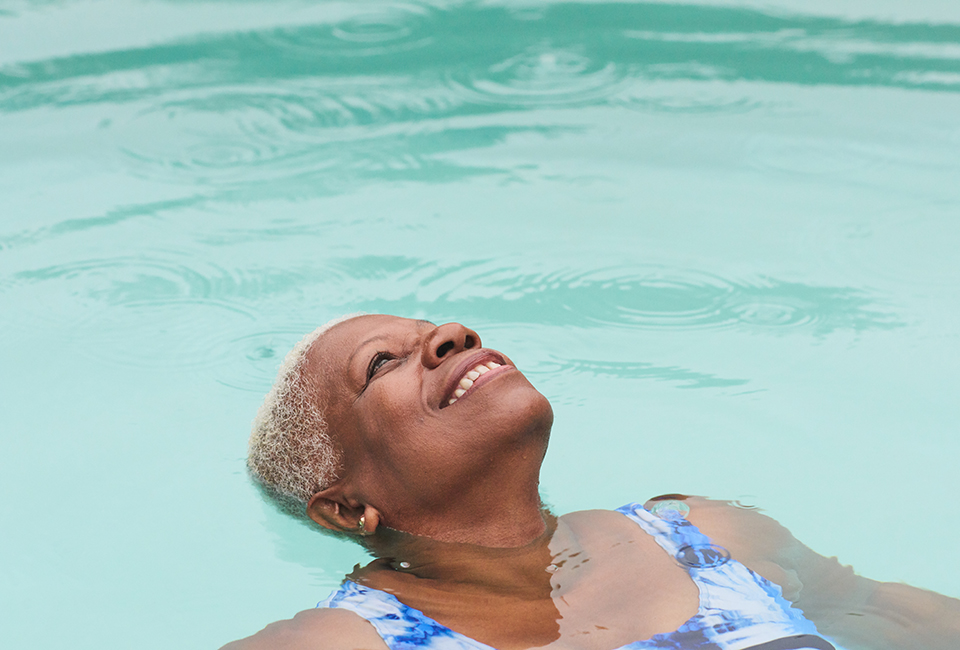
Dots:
(413, 461)
(450, 490)
(461, 480)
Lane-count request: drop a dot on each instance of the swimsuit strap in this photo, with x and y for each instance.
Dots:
(669, 528)
(738, 608)
(401, 627)
(733, 599)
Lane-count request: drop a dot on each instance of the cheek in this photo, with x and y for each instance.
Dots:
(392, 421)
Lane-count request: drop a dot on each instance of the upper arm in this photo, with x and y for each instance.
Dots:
(314, 629)
(766, 547)
(856, 610)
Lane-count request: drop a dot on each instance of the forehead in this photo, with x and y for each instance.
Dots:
(351, 335)
(332, 355)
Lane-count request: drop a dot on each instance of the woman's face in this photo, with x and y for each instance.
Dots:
(423, 413)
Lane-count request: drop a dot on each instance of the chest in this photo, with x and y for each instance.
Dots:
(594, 601)
(629, 598)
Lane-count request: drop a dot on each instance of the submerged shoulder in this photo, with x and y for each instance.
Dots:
(753, 538)
(744, 527)
(314, 629)
(758, 541)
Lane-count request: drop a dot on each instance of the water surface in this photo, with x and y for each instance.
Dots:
(721, 238)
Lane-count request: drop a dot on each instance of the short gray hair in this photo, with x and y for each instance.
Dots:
(291, 455)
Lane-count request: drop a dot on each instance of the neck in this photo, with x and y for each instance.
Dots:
(478, 509)
(486, 522)
(524, 569)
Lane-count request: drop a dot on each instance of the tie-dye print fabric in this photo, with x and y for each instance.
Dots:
(739, 610)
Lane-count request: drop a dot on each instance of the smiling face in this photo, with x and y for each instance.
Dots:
(429, 421)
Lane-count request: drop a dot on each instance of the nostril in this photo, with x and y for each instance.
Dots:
(443, 349)
(469, 342)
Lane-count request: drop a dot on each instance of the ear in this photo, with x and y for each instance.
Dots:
(332, 510)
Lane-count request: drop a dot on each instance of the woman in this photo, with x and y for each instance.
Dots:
(426, 448)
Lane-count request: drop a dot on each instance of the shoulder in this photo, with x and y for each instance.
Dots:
(733, 524)
(736, 525)
(765, 546)
(314, 629)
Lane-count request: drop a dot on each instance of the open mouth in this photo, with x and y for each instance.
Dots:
(474, 373)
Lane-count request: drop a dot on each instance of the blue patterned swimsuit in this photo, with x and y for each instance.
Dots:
(739, 610)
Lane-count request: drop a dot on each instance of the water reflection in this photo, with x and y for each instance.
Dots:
(244, 143)
(286, 103)
(259, 354)
(496, 47)
(112, 218)
(813, 156)
(634, 297)
(168, 299)
(684, 377)
(372, 32)
(541, 76)
(137, 280)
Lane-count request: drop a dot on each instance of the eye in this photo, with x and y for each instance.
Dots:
(378, 361)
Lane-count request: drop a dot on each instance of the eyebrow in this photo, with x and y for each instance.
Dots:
(363, 345)
(379, 337)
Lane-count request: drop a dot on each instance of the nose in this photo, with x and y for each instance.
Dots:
(445, 341)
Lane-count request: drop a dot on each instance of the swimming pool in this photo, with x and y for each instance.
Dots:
(721, 239)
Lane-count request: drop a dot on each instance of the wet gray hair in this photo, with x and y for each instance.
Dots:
(291, 455)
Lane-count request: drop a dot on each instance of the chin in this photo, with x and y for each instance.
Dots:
(545, 413)
(529, 412)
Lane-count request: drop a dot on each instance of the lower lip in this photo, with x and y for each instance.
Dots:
(479, 381)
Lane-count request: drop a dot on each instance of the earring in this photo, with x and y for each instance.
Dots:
(362, 526)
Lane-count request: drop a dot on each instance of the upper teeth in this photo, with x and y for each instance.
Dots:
(471, 376)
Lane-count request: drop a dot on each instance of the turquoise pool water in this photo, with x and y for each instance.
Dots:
(721, 237)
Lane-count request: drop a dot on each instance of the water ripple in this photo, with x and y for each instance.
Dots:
(631, 297)
(257, 355)
(782, 311)
(676, 95)
(375, 31)
(226, 137)
(636, 370)
(128, 280)
(178, 301)
(172, 334)
(229, 136)
(569, 55)
(541, 77)
(180, 309)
